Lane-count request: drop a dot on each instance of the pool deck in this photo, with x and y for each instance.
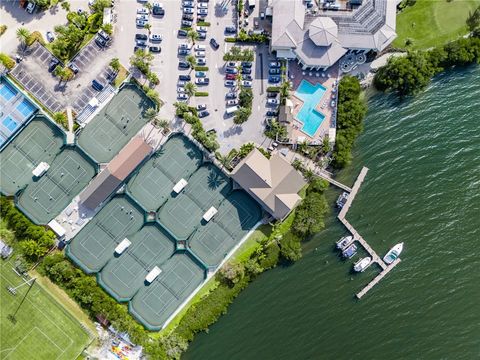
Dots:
(296, 75)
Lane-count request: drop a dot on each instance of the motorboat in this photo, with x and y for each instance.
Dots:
(362, 264)
(350, 251)
(342, 199)
(344, 242)
(393, 254)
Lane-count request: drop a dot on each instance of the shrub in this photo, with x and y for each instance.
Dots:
(3, 28)
(201, 68)
(201, 93)
(61, 118)
(203, 23)
(94, 22)
(230, 39)
(290, 247)
(35, 36)
(270, 256)
(273, 89)
(309, 215)
(7, 61)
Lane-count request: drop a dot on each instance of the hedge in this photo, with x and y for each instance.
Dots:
(275, 89)
(203, 23)
(201, 93)
(201, 68)
(230, 39)
(35, 36)
(7, 61)
(3, 28)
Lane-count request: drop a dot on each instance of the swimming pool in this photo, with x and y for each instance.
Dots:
(10, 124)
(310, 117)
(6, 91)
(25, 108)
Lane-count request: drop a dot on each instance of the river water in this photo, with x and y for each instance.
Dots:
(423, 189)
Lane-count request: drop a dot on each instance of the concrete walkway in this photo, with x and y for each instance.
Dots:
(70, 133)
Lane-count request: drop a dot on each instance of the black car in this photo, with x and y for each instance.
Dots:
(274, 71)
(53, 64)
(184, 77)
(272, 94)
(187, 17)
(246, 64)
(183, 65)
(182, 33)
(203, 113)
(141, 37)
(100, 41)
(246, 70)
(231, 95)
(272, 113)
(155, 49)
(158, 11)
(97, 86)
(214, 43)
(74, 68)
(183, 52)
(230, 30)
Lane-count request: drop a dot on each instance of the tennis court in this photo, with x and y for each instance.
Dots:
(39, 141)
(155, 303)
(178, 158)
(207, 187)
(124, 274)
(94, 245)
(46, 197)
(112, 128)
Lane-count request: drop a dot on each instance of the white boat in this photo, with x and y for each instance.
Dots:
(362, 264)
(393, 254)
(344, 242)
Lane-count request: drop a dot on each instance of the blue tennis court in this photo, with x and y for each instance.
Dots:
(25, 108)
(6, 91)
(9, 123)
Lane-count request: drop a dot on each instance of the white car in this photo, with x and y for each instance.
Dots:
(142, 17)
(182, 96)
(230, 83)
(188, 10)
(246, 83)
(232, 102)
(273, 101)
(199, 47)
(141, 23)
(202, 28)
(202, 81)
(201, 107)
(50, 36)
(143, 11)
(189, 4)
(180, 89)
(155, 37)
(185, 46)
(202, 5)
(200, 54)
(202, 11)
(181, 83)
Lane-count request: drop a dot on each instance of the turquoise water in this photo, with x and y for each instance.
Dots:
(310, 95)
(423, 189)
(6, 91)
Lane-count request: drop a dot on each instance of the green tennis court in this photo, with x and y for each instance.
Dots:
(94, 245)
(207, 187)
(236, 216)
(111, 129)
(152, 184)
(69, 173)
(39, 141)
(155, 303)
(124, 274)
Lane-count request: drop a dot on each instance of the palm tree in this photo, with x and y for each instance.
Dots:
(148, 6)
(162, 124)
(309, 175)
(192, 61)
(153, 78)
(150, 114)
(285, 90)
(224, 160)
(60, 73)
(115, 64)
(66, 6)
(190, 89)
(22, 35)
(148, 27)
(192, 35)
(303, 147)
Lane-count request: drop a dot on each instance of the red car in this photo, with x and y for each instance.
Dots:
(230, 76)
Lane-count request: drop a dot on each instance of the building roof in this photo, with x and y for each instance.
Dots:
(105, 183)
(273, 182)
(321, 40)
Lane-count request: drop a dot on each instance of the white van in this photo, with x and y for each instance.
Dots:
(30, 7)
(200, 48)
(231, 110)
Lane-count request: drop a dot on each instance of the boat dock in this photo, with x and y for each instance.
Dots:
(356, 235)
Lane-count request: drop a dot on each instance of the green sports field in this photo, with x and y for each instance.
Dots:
(431, 23)
(42, 328)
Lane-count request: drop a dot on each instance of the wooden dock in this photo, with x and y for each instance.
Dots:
(356, 235)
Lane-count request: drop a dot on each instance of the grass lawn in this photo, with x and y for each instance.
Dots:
(42, 328)
(121, 76)
(432, 23)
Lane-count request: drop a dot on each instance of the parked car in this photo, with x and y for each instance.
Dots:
(53, 64)
(141, 37)
(73, 67)
(201, 107)
(184, 46)
(142, 17)
(232, 64)
(246, 70)
(142, 11)
(154, 48)
(201, 62)
(181, 83)
(274, 71)
(189, 4)
(200, 54)
(214, 43)
(50, 36)
(199, 47)
(231, 95)
(272, 113)
(182, 96)
(97, 86)
(247, 77)
(202, 11)
(182, 33)
(183, 65)
(274, 79)
(230, 83)
(275, 64)
(202, 5)
(273, 101)
(183, 52)
(180, 89)
(141, 23)
(155, 37)
(246, 64)
(188, 10)
(187, 23)
(200, 74)
(203, 114)
(246, 83)
(202, 29)
(100, 41)
(230, 30)
(202, 81)
(231, 70)
(187, 17)
(184, 77)
(104, 35)
(157, 9)
(202, 35)
(30, 7)
(230, 76)
(141, 43)
(232, 102)
(272, 94)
